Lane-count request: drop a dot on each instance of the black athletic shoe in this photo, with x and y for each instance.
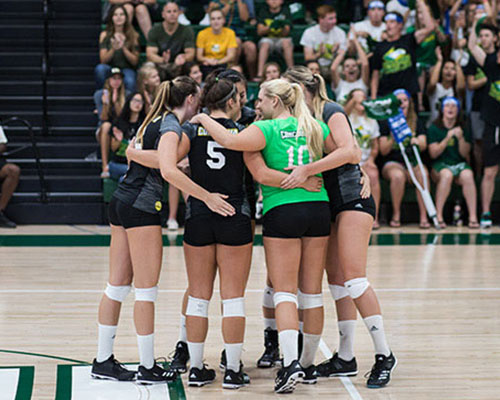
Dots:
(271, 355)
(6, 222)
(336, 366)
(200, 377)
(111, 369)
(180, 358)
(234, 380)
(155, 374)
(223, 364)
(287, 378)
(380, 375)
(310, 375)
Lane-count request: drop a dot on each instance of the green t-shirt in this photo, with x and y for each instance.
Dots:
(119, 59)
(181, 39)
(426, 50)
(284, 148)
(451, 154)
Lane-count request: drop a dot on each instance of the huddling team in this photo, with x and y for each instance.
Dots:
(318, 214)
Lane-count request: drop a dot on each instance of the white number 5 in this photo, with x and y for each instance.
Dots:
(218, 160)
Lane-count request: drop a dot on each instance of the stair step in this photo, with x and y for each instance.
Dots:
(55, 118)
(49, 150)
(20, 6)
(78, 211)
(77, 183)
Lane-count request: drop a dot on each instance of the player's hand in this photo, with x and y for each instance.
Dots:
(197, 119)
(365, 181)
(296, 178)
(313, 184)
(216, 203)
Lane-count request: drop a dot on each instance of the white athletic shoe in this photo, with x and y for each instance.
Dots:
(172, 225)
(183, 20)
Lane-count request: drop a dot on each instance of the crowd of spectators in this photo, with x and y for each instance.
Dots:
(440, 58)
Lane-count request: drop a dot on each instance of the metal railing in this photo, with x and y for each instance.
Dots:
(41, 176)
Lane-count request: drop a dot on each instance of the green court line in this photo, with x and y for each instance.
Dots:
(380, 239)
(24, 382)
(43, 355)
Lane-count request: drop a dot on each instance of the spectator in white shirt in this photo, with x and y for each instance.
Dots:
(373, 26)
(323, 41)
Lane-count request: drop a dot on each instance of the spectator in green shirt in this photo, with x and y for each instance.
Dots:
(449, 147)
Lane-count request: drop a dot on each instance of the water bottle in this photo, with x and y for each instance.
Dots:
(457, 214)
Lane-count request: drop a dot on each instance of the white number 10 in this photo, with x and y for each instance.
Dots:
(300, 155)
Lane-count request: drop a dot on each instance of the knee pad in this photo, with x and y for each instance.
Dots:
(146, 294)
(338, 292)
(307, 301)
(117, 293)
(197, 307)
(281, 297)
(233, 307)
(267, 298)
(356, 287)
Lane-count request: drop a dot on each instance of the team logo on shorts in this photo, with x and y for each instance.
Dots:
(158, 206)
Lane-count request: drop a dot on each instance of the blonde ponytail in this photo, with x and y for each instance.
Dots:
(306, 123)
(320, 97)
(160, 105)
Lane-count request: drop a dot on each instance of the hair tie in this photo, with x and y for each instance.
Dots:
(216, 79)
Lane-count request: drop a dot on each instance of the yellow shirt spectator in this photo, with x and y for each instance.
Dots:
(215, 46)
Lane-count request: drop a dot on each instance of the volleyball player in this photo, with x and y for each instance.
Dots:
(296, 222)
(352, 221)
(136, 240)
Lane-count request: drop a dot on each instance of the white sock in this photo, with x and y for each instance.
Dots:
(182, 330)
(105, 341)
(196, 354)
(270, 323)
(301, 326)
(347, 329)
(311, 343)
(289, 343)
(233, 355)
(375, 326)
(146, 345)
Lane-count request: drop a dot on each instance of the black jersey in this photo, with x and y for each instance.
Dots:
(342, 183)
(142, 187)
(216, 168)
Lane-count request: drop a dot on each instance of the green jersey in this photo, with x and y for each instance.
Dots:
(286, 147)
(451, 154)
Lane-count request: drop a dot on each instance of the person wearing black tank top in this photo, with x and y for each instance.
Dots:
(136, 239)
(353, 214)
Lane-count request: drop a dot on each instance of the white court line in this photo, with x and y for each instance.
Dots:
(349, 386)
(396, 290)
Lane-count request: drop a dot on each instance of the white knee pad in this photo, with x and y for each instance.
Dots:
(146, 294)
(281, 297)
(117, 293)
(197, 307)
(307, 301)
(356, 287)
(267, 298)
(233, 307)
(338, 292)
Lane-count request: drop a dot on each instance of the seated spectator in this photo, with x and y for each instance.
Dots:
(192, 69)
(447, 79)
(367, 132)
(216, 45)
(143, 10)
(449, 147)
(170, 45)
(124, 128)
(355, 73)
(394, 60)
(271, 71)
(109, 103)
(370, 30)
(314, 67)
(147, 83)
(273, 27)
(426, 50)
(119, 48)
(324, 41)
(394, 169)
(237, 13)
(9, 175)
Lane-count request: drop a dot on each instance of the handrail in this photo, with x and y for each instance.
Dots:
(45, 68)
(41, 177)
